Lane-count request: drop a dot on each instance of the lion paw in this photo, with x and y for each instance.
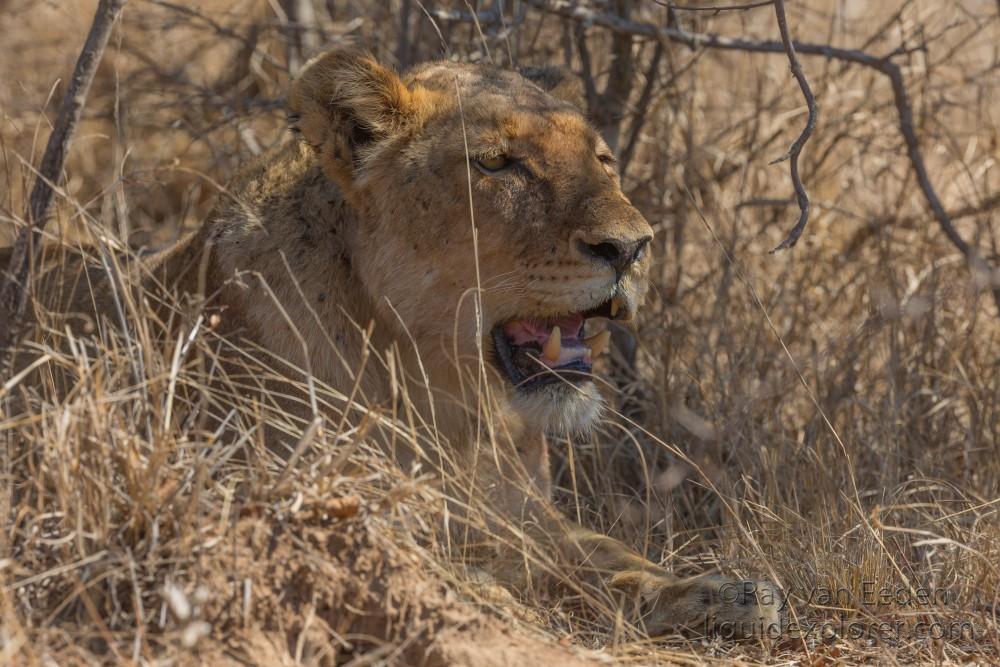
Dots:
(728, 608)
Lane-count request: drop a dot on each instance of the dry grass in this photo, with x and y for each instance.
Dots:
(827, 417)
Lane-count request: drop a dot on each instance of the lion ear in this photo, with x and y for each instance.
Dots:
(558, 82)
(342, 102)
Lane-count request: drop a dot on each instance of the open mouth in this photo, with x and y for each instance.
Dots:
(536, 351)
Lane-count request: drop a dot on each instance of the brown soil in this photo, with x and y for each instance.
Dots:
(325, 593)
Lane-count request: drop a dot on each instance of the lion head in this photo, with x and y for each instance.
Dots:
(490, 217)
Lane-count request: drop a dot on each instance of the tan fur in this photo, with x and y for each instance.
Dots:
(369, 210)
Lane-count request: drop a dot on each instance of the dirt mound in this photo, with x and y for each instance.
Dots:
(310, 590)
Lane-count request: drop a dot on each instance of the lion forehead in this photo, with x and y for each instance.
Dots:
(479, 84)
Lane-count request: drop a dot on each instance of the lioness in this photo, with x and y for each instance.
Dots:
(459, 213)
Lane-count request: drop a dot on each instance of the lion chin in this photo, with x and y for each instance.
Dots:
(560, 408)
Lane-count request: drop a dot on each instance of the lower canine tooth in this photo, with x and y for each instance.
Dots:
(553, 346)
(598, 343)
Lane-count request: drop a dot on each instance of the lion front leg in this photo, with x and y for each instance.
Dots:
(661, 602)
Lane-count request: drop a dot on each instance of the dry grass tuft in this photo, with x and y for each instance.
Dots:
(828, 417)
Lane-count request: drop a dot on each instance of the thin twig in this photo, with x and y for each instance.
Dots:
(28, 247)
(715, 9)
(487, 16)
(642, 106)
(793, 153)
(607, 106)
(576, 12)
(586, 67)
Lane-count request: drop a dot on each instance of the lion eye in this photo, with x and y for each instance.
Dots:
(493, 163)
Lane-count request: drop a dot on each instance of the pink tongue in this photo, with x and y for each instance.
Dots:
(520, 332)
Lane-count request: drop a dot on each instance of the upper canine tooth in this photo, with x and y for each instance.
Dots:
(553, 346)
(614, 307)
(598, 343)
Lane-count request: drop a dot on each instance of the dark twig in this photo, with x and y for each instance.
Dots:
(607, 107)
(793, 153)
(403, 48)
(904, 110)
(715, 9)
(586, 67)
(642, 106)
(28, 246)
(485, 16)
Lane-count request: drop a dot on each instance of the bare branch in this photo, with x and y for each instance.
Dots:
(586, 67)
(403, 47)
(487, 16)
(642, 106)
(27, 249)
(607, 107)
(715, 9)
(793, 153)
(618, 88)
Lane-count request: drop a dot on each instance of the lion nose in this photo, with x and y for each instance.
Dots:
(618, 253)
